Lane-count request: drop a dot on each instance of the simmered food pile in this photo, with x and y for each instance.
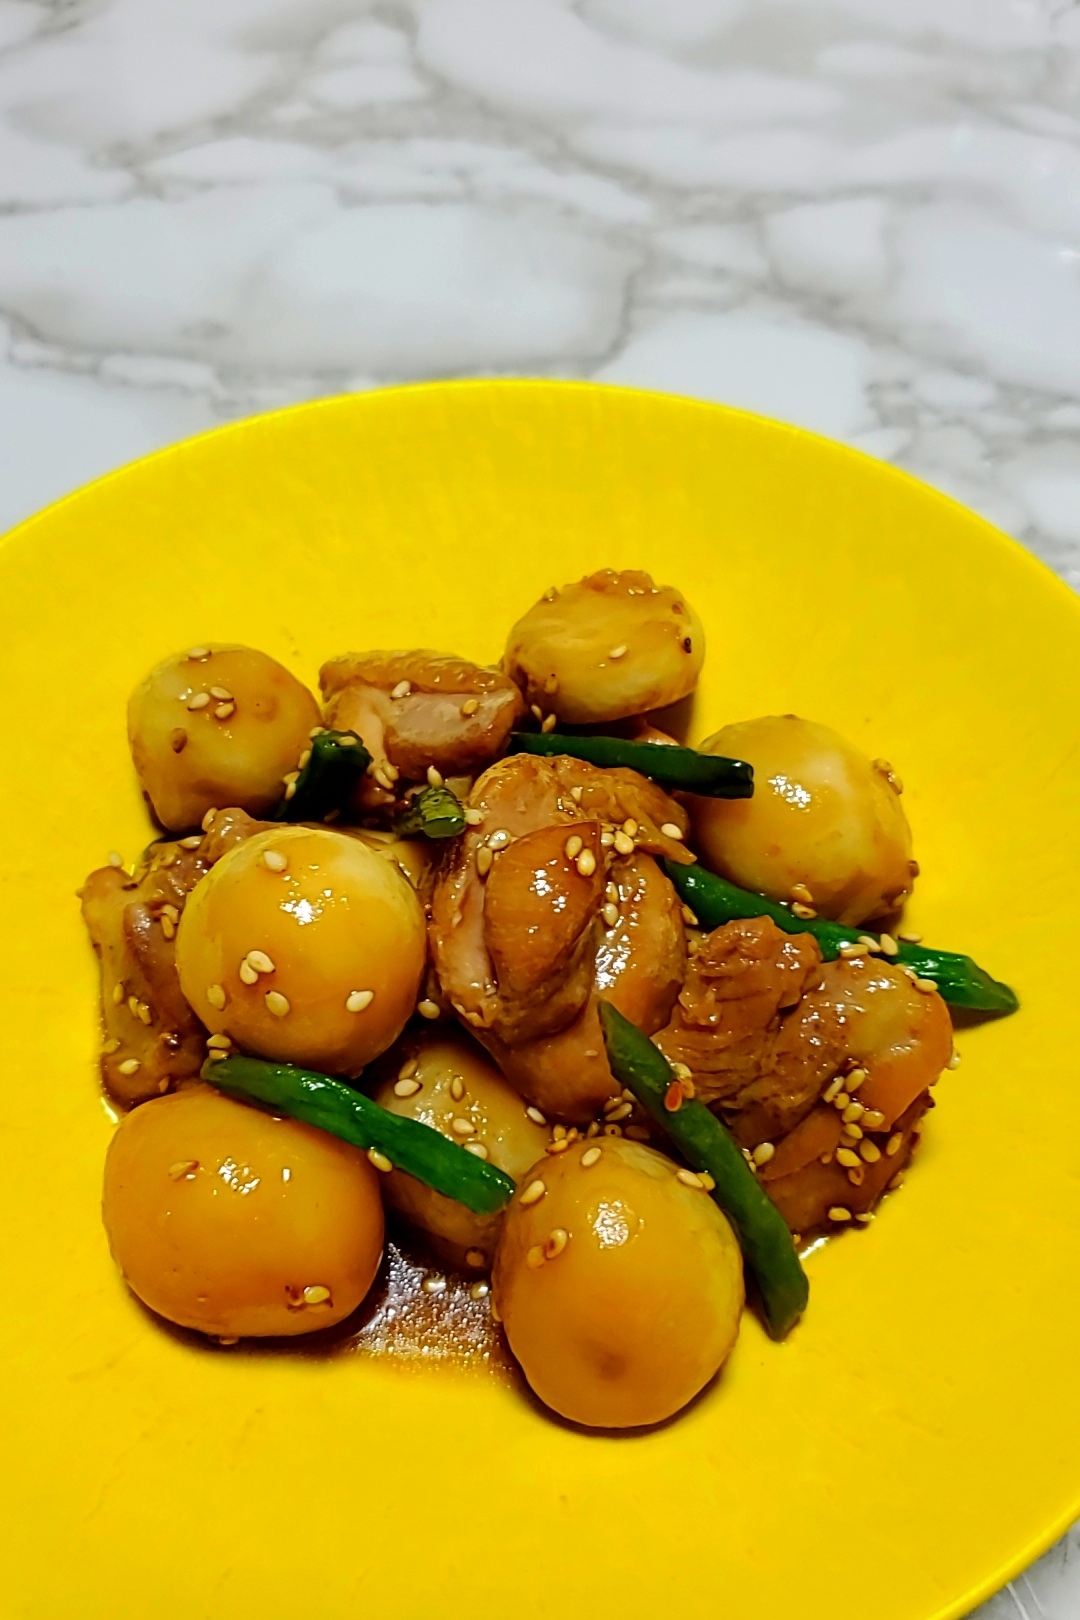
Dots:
(595, 1014)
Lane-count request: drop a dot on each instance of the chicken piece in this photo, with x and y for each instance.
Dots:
(764, 1025)
(805, 1179)
(420, 708)
(638, 966)
(132, 925)
(518, 957)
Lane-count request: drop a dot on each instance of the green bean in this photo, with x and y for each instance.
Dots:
(762, 1232)
(960, 981)
(677, 769)
(327, 781)
(435, 812)
(333, 1106)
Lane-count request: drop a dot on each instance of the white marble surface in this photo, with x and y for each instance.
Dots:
(859, 215)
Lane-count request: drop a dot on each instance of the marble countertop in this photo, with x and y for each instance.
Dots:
(859, 215)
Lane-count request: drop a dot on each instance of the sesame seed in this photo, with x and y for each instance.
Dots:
(182, 1168)
(475, 1257)
(535, 1115)
(909, 938)
(379, 1160)
(477, 1149)
(191, 843)
(428, 1009)
(624, 844)
(622, 1110)
(306, 755)
(857, 1176)
(381, 775)
(548, 723)
(198, 653)
(434, 1285)
(535, 1257)
(894, 1144)
(610, 914)
(457, 1088)
(216, 1055)
(803, 912)
(533, 1193)
(670, 830)
(219, 1042)
(864, 1220)
(276, 1003)
(870, 942)
(618, 652)
(840, 1101)
(208, 820)
(630, 827)
(133, 1006)
(612, 1130)
(586, 863)
(357, 1000)
(688, 1178)
(248, 974)
(290, 790)
(222, 694)
(839, 1213)
(274, 859)
(873, 1119)
(954, 1061)
(469, 707)
(799, 891)
(406, 1088)
(847, 1158)
(402, 689)
(763, 1152)
(484, 860)
(832, 1089)
(689, 917)
(479, 1290)
(463, 1127)
(317, 1294)
(556, 1243)
(927, 986)
(320, 731)
(215, 995)
(607, 838)
(435, 777)
(168, 927)
(473, 817)
(557, 1147)
(128, 1066)
(573, 847)
(852, 1131)
(495, 1317)
(536, 711)
(115, 858)
(854, 1078)
(551, 594)
(853, 1112)
(109, 1048)
(853, 949)
(888, 944)
(575, 794)
(897, 1181)
(869, 1152)
(260, 961)
(200, 700)
(590, 1157)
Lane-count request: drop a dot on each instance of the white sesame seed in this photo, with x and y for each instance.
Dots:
(317, 1294)
(533, 1193)
(535, 1115)
(457, 1088)
(434, 1285)
(689, 917)
(402, 689)
(428, 1009)
(115, 858)
(357, 1000)
(854, 1078)
(223, 1042)
(208, 820)
(573, 846)
(499, 839)
(894, 1144)
(477, 1149)
(688, 1178)
(927, 986)
(463, 1127)
(954, 1061)
(763, 1152)
(479, 1290)
(379, 1160)
(274, 859)
(290, 790)
(247, 973)
(853, 1113)
(873, 1119)
(586, 863)
(183, 1169)
(198, 653)
(839, 1213)
(909, 938)
(222, 694)
(276, 1003)
(484, 860)
(618, 652)
(870, 1152)
(535, 1257)
(548, 723)
(474, 817)
(556, 1243)
(215, 995)
(624, 844)
(610, 914)
(434, 777)
(590, 1157)
(469, 707)
(670, 830)
(191, 843)
(128, 1066)
(201, 700)
(406, 1088)
(847, 1157)
(260, 961)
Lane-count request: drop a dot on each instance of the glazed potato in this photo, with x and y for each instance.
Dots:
(619, 1285)
(225, 1219)
(303, 945)
(215, 726)
(446, 1081)
(825, 825)
(610, 646)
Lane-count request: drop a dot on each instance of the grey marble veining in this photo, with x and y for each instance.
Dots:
(858, 215)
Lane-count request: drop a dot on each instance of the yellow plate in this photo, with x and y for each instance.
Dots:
(917, 1440)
